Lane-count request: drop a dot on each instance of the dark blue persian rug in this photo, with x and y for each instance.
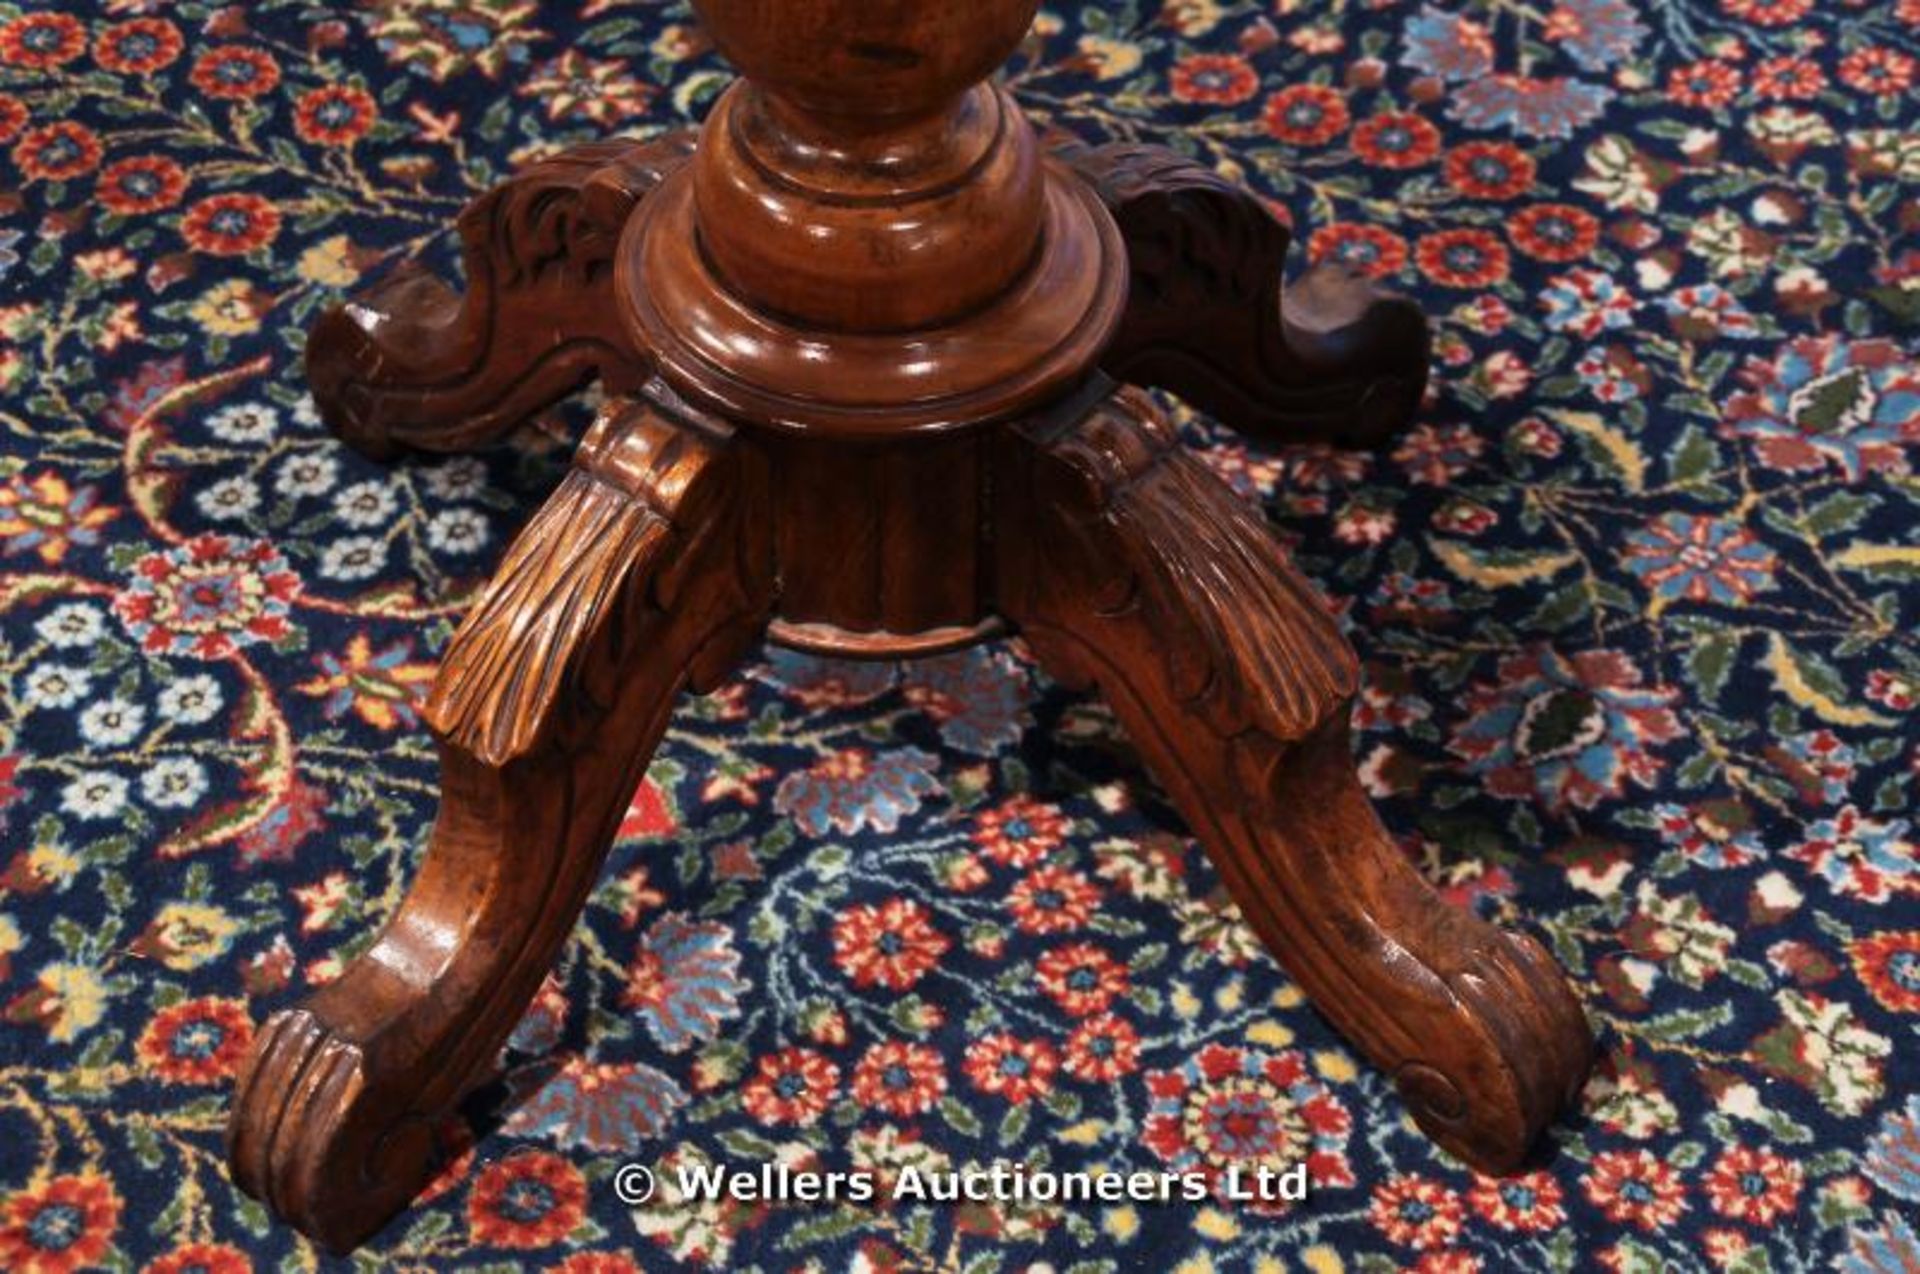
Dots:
(1637, 600)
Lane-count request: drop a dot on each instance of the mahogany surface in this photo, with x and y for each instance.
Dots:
(863, 344)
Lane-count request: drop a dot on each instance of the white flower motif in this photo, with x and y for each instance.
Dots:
(191, 700)
(112, 723)
(95, 794)
(460, 478)
(229, 499)
(457, 531)
(244, 423)
(55, 686)
(366, 504)
(307, 475)
(175, 783)
(356, 557)
(74, 626)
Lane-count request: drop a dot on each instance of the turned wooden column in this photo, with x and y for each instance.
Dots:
(868, 261)
(865, 345)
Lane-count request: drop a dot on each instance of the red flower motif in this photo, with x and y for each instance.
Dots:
(794, 1086)
(1374, 252)
(1306, 115)
(1530, 1203)
(42, 41)
(1633, 1187)
(1788, 79)
(1889, 965)
(208, 597)
(1016, 1069)
(1397, 139)
(202, 1258)
(1081, 978)
(1415, 1212)
(892, 944)
(197, 1041)
(1102, 1048)
(900, 1078)
(1755, 1186)
(66, 1224)
(1020, 831)
(1451, 1261)
(140, 183)
(1053, 900)
(235, 73)
(1489, 170)
(1555, 232)
(57, 152)
(1767, 13)
(597, 1263)
(1219, 79)
(1877, 71)
(140, 46)
(230, 225)
(13, 117)
(1462, 258)
(1708, 85)
(337, 115)
(527, 1200)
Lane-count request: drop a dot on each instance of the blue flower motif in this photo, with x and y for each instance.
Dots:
(1529, 107)
(1826, 400)
(978, 697)
(603, 1106)
(1448, 45)
(685, 980)
(1679, 556)
(1893, 1156)
(828, 683)
(1595, 33)
(857, 788)
(1865, 857)
(1894, 1246)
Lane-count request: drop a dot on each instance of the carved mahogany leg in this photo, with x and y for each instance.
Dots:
(1130, 567)
(647, 572)
(410, 362)
(1329, 358)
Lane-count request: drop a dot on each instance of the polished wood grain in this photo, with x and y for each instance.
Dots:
(862, 346)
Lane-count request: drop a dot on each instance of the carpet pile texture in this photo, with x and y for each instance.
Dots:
(1636, 598)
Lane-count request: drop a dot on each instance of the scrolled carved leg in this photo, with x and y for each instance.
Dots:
(409, 362)
(647, 572)
(1128, 566)
(1329, 358)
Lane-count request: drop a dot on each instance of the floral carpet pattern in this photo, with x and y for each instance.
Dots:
(1636, 597)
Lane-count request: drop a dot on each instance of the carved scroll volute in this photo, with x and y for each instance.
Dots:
(411, 363)
(647, 572)
(1330, 357)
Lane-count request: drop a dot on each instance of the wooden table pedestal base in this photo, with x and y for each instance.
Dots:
(864, 365)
